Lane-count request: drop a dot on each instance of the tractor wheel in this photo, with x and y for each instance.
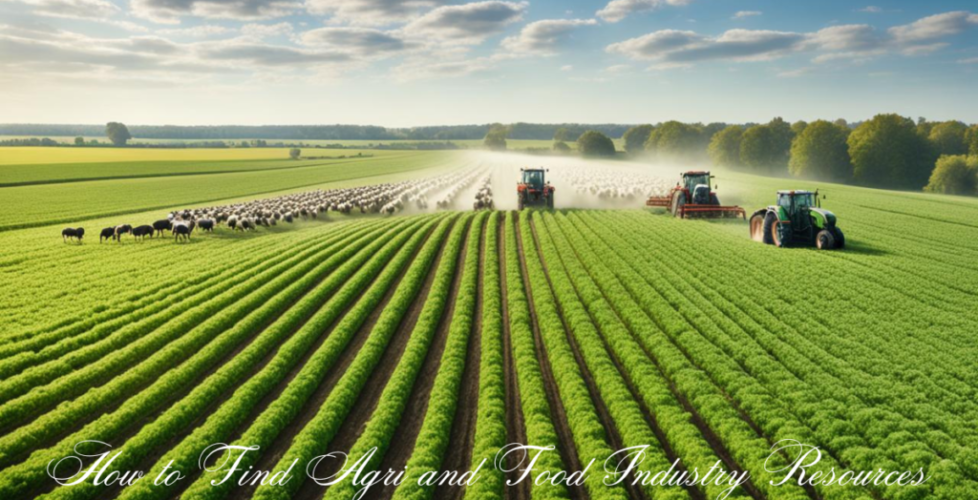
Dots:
(757, 228)
(678, 202)
(840, 239)
(824, 240)
(769, 231)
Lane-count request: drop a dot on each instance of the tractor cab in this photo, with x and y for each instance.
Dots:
(795, 201)
(533, 178)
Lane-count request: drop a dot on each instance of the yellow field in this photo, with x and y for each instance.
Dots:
(42, 155)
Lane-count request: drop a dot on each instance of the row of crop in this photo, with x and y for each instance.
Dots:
(490, 426)
(270, 300)
(151, 313)
(433, 438)
(590, 436)
(758, 383)
(361, 271)
(319, 432)
(617, 321)
(761, 331)
(386, 417)
(537, 414)
(704, 394)
(26, 395)
(163, 346)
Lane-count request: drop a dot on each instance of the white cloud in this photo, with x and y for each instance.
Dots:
(170, 11)
(469, 23)
(266, 30)
(370, 12)
(871, 9)
(847, 38)
(567, 67)
(618, 68)
(201, 31)
(426, 70)
(795, 73)
(973, 60)
(687, 47)
(363, 41)
(923, 50)
(616, 10)
(744, 14)
(81, 9)
(544, 37)
(936, 26)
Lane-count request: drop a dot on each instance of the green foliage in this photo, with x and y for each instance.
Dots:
(79, 141)
(562, 135)
(798, 127)
(948, 138)
(821, 152)
(887, 151)
(971, 140)
(759, 150)
(724, 149)
(635, 138)
(675, 139)
(954, 175)
(295, 153)
(495, 139)
(594, 143)
(117, 133)
(561, 147)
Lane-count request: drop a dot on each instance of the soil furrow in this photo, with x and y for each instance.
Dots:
(515, 427)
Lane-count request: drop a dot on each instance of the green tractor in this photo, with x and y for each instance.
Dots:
(534, 190)
(797, 220)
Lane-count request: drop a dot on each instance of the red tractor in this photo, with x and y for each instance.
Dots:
(533, 190)
(692, 198)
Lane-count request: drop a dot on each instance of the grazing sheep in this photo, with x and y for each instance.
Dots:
(206, 225)
(162, 225)
(121, 230)
(181, 230)
(142, 232)
(70, 232)
(107, 233)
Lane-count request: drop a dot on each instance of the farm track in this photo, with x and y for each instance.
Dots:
(567, 448)
(515, 426)
(409, 424)
(611, 428)
(462, 439)
(369, 396)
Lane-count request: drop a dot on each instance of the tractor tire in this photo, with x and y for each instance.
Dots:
(678, 202)
(769, 230)
(824, 240)
(757, 228)
(840, 239)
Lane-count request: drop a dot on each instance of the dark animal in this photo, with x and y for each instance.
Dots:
(107, 233)
(162, 225)
(206, 225)
(246, 224)
(71, 232)
(180, 230)
(121, 230)
(142, 231)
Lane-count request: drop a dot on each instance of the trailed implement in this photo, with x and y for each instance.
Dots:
(693, 199)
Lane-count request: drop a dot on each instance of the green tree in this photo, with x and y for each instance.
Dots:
(118, 133)
(954, 175)
(496, 137)
(821, 152)
(79, 141)
(948, 138)
(295, 153)
(724, 148)
(783, 136)
(971, 139)
(561, 134)
(635, 138)
(842, 123)
(594, 143)
(888, 152)
(561, 147)
(798, 127)
(758, 150)
(674, 138)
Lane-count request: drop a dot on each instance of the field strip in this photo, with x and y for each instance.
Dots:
(665, 408)
(535, 405)
(388, 414)
(489, 430)
(620, 418)
(424, 431)
(570, 453)
(318, 433)
(271, 398)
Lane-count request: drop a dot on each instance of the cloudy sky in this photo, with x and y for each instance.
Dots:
(427, 62)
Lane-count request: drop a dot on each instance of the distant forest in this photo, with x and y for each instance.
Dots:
(314, 132)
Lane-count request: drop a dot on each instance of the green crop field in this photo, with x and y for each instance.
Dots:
(441, 336)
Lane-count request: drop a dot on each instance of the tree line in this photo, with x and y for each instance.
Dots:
(888, 151)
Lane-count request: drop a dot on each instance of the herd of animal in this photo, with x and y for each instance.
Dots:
(380, 198)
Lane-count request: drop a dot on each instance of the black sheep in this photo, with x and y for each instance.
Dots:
(162, 225)
(70, 232)
(181, 230)
(121, 230)
(206, 225)
(107, 233)
(142, 231)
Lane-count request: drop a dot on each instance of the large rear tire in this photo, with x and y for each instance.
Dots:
(840, 239)
(824, 240)
(769, 229)
(757, 228)
(678, 202)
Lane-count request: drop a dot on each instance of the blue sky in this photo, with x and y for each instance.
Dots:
(428, 62)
